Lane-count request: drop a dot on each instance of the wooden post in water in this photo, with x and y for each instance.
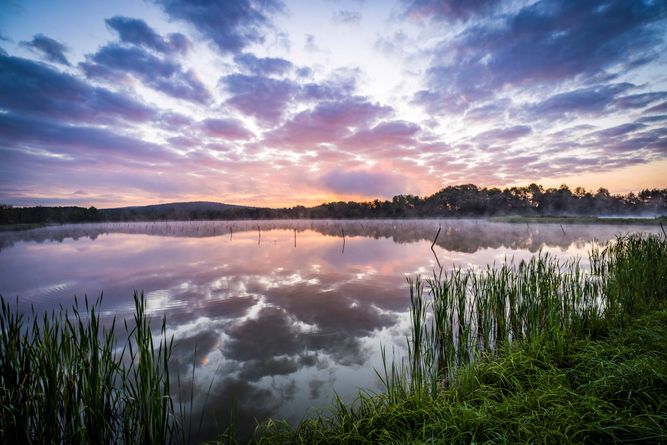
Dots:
(343, 230)
(433, 244)
(295, 238)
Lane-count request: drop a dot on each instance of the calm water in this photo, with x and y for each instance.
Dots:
(282, 313)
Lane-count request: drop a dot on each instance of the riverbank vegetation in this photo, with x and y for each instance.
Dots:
(540, 351)
(455, 201)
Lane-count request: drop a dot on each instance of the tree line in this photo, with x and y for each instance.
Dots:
(466, 200)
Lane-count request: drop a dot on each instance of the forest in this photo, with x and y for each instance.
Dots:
(466, 200)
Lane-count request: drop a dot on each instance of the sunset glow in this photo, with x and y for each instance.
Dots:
(272, 103)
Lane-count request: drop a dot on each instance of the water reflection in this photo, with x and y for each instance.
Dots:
(276, 314)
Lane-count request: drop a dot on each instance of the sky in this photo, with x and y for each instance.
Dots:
(277, 103)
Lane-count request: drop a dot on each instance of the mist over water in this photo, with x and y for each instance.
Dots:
(278, 315)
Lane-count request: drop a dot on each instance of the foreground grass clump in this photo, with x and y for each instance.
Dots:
(606, 390)
(540, 351)
(64, 379)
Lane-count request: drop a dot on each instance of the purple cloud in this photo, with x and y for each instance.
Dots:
(163, 75)
(508, 134)
(595, 99)
(639, 100)
(83, 143)
(231, 25)
(660, 108)
(32, 88)
(327, 122)
(619, 130)
(137, 32)
(543, 44)
(230, 129)
(52, 50)
(264, 66)
(385, 135)
(259, 96)
(447, 9)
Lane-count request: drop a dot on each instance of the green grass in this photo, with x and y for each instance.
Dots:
(64, 379)
(18, 227)
(578, 220)
(536, 352)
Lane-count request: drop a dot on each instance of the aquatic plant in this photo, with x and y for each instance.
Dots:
(64, 378)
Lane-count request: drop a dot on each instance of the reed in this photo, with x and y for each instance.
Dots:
(65, 379)
(467, 314)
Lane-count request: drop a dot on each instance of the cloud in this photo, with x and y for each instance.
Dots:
(495, 110)
(311, 44)
(230, 129)
(389, 134)
(447, 9)
(137, 32)
(363, 183)
(114, 61)
(544, 43)
(327, 122)
(79, 143)
(639, 100)
(264, 66)
(658, 108)
(262, 97)
(620, 130)
(230, 25)
(506, 134)
(347, 17)
(582, 101)
(35, 89)
(392, 44)
(52, 50)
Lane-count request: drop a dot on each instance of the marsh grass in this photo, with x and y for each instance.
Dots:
(540, 351)
(65, 379)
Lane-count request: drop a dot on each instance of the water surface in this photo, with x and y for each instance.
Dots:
(281, 314)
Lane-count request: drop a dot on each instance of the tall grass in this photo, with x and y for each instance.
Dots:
(65, 379)
(466, 314)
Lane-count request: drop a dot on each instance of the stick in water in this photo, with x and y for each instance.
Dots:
(433, 250)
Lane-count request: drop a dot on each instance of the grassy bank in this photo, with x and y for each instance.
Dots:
(578, 220)
(19, 227)
(611, 388)
(540, 351)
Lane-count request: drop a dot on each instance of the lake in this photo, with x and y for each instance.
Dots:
(284, 314)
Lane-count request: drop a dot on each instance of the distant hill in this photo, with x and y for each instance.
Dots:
(175, 210)
(179, 206)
